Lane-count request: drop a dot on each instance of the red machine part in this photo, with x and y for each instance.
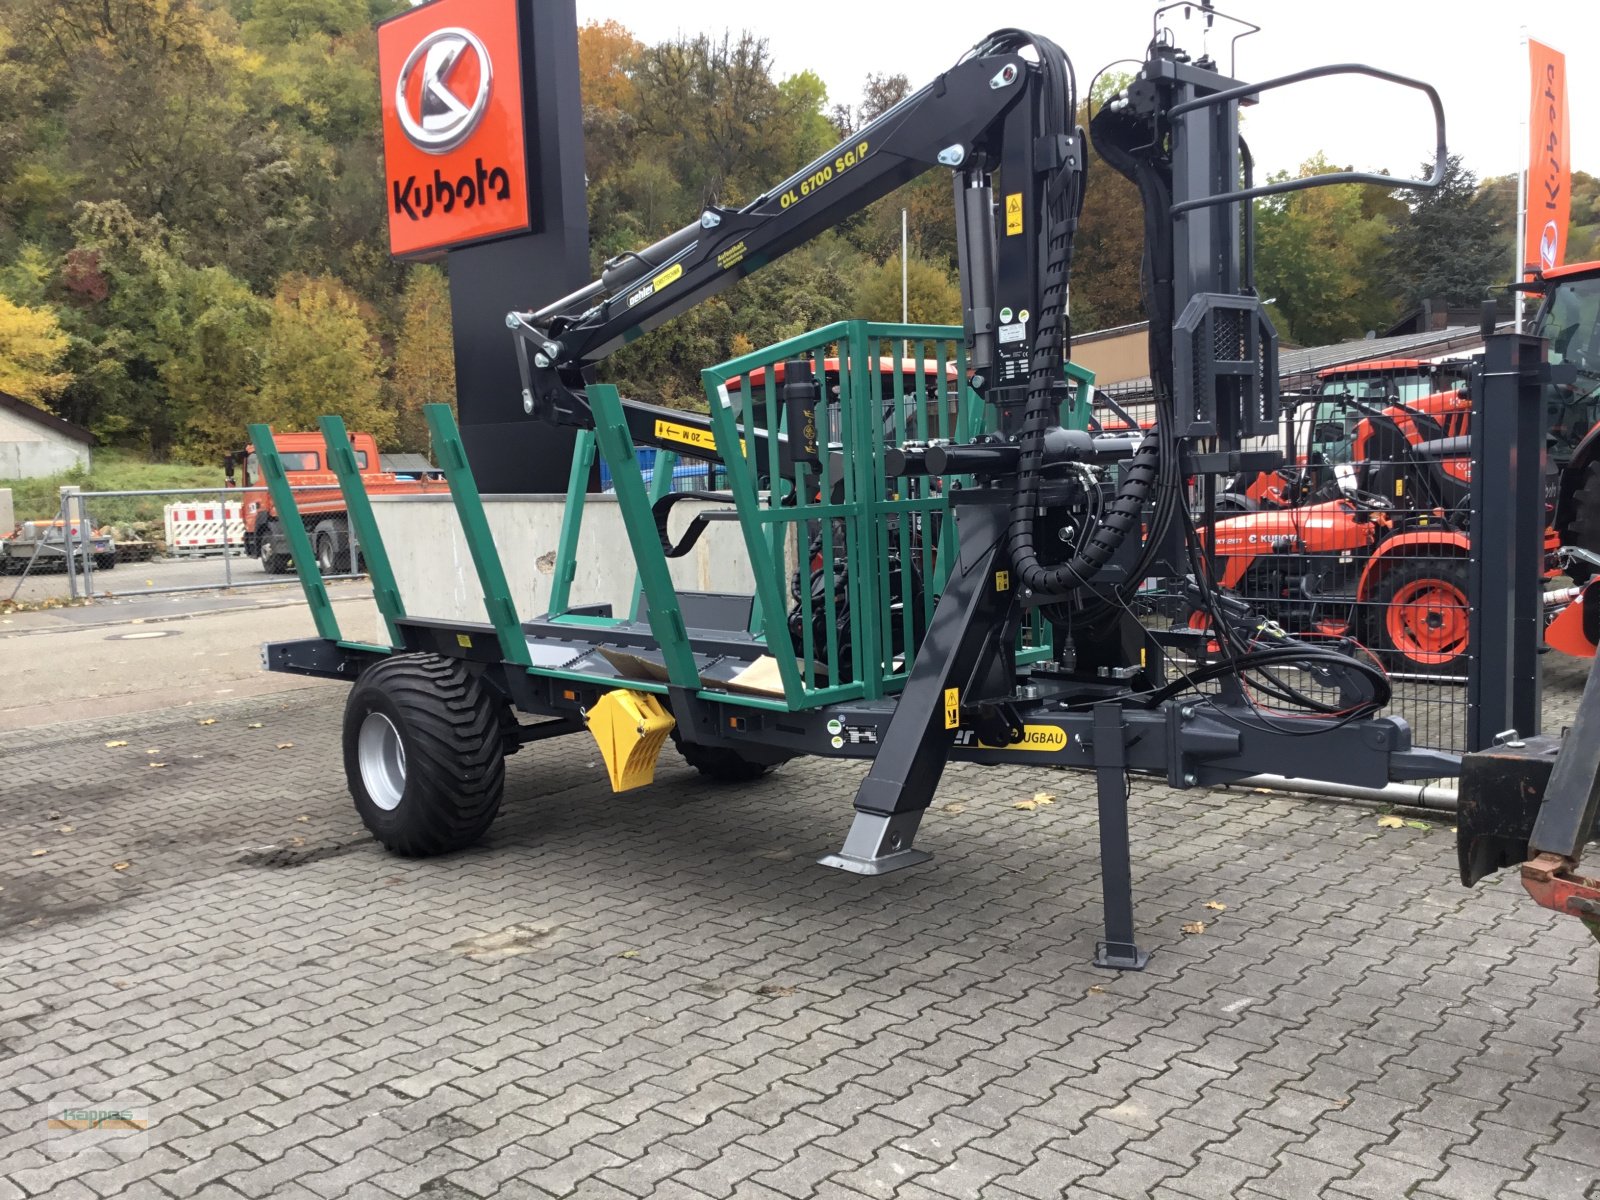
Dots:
(1549, 879)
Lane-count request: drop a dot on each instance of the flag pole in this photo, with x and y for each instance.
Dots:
(1522, 179)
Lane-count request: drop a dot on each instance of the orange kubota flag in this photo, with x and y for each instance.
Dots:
(1549, 161)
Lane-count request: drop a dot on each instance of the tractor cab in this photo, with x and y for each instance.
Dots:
(1569, 319)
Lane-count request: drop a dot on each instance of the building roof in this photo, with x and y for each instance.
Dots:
(405, 463)
(1299, 366)
(48, 420)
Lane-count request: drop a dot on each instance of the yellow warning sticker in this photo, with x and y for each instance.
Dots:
(702, 439)
(1002, 581)
(669, 275)
(463, 641)
(1013, 213)
(952, 708)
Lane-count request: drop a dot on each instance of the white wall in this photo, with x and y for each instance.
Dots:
(436, 578)
(28, 450)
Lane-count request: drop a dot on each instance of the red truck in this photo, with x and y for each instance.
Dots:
(322, 510)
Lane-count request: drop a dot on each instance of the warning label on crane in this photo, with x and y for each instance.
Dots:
(687, 434)
(952, 708)
(1013, 213)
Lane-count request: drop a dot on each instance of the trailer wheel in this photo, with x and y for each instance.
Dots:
(1421, 616)
(1583, 530)
(719, 762)
(424, 754)
(273, 560)
(105, 562)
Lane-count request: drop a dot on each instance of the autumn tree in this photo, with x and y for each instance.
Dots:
(932, 297)
(32, 347)
(1319, 258)
(214, 333)
(321, 357)
(424, 357)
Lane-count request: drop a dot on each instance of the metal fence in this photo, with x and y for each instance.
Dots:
(1368, 535)
(123, 543)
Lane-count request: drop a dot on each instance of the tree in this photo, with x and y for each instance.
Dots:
(879, 94)
(32, 347)
(424, 358)
(1319, 258)
(931, 296)
(1108, 251)
(213, 331)
(321, 358)
(1448, 247)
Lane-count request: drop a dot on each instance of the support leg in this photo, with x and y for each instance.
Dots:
(1118, 951)
(964, 635)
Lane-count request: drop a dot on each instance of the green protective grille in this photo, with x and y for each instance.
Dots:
(850, 631)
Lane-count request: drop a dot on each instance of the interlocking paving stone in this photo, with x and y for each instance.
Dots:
(1354, 1024)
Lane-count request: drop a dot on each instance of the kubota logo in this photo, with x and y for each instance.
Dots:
(1547, 245)
(441, 120)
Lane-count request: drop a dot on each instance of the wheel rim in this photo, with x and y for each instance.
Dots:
(325, 556)
(1427, 621)
(383, 761)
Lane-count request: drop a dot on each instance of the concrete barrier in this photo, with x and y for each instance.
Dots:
(436, 578)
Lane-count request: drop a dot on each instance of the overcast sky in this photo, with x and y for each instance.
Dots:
(1470, 50)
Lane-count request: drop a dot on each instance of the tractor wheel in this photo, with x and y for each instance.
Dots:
(424, 754)
(718, 762)
(1420, 617)
(273, 560)
(1583, 530)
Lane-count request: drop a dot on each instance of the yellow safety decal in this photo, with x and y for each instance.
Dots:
(1399, 487)
(732, 256)
(463, 641)
(1035, 737)
(1013, 213)
(1002, 581)
(952, 708)
(673, 272)
(703, 439)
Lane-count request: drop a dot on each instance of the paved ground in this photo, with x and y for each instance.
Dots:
(65, 664)
(661, 995)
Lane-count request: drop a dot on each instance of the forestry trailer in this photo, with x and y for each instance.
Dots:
(965, 580)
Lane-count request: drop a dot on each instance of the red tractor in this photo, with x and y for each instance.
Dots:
(1372, 545)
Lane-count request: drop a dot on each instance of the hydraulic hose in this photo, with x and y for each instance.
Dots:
(1153, 464)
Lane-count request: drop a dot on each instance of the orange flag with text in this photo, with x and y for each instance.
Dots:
(1549, 161)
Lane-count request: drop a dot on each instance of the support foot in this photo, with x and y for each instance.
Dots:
(1120, 956)
(877, 844)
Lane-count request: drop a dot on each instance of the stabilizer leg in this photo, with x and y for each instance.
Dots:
(1118, 951)
(968, 630)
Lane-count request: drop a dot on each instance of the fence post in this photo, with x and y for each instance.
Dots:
(67, 492)
(1507, 568)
